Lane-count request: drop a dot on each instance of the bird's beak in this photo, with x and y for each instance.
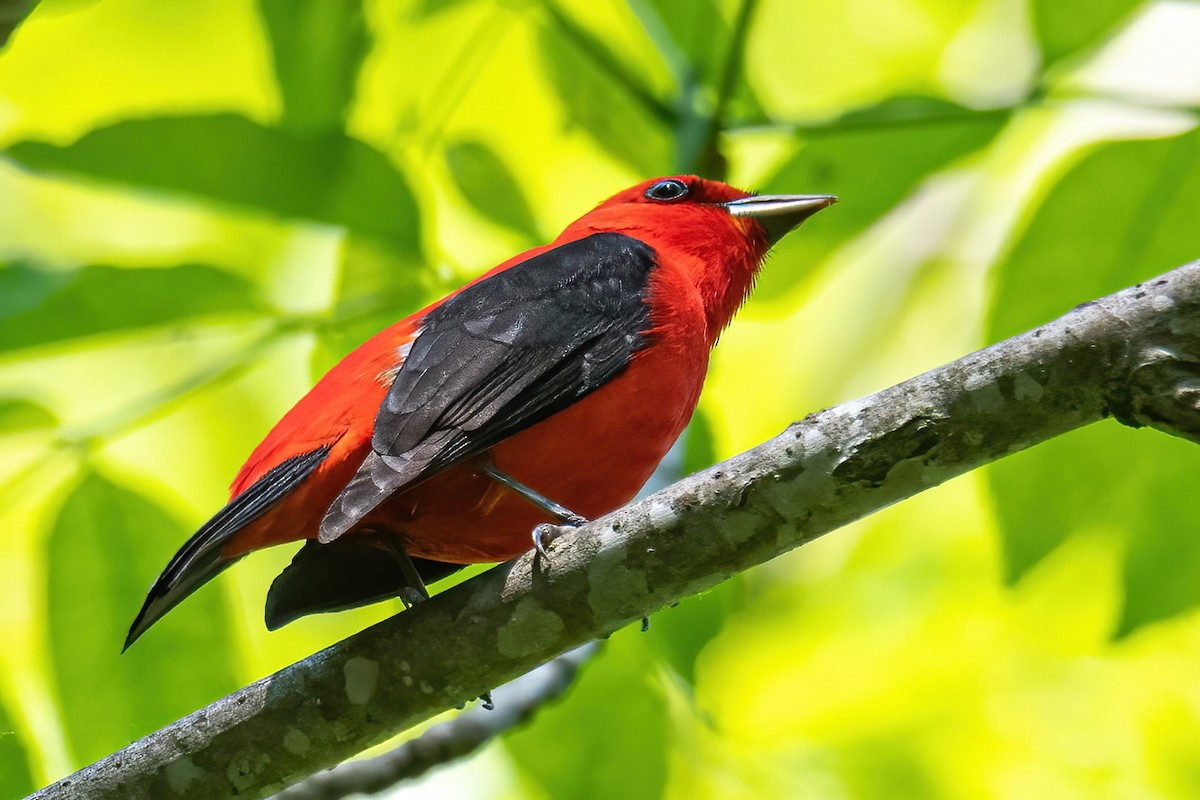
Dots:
(779, 213)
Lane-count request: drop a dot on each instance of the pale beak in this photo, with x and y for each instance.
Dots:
(779, 213)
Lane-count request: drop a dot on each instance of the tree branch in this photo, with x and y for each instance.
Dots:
(1134, 355)
(515, 703)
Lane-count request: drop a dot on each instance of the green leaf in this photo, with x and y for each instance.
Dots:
(1065, 28)
(39, 306)
(490, 187)
(318, 48)
(1124, 213)
(603, 102)
(328, 178)
(422, 9)
(697, 31)
(680, 633)
(12, 16)
(18, 414)
(106, 546)
(15, 777)
(607, 738)
(1108, 480)
(376, 287)
(699, 449)
(872, 167)
(695, 38)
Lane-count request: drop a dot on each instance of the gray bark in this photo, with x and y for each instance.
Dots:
(1134, 355)
(515, 703)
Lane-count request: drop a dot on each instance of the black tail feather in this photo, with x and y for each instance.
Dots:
(200, 559)
(349, 572)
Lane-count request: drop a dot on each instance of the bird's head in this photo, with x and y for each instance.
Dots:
(716, 234)
(687, 203)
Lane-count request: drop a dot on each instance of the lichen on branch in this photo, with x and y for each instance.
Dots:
(1133, 355)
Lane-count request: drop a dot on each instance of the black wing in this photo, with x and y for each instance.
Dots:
(500, 356)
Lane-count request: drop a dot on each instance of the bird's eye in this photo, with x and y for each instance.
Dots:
(667, 190)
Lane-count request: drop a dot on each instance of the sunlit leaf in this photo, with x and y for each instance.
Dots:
(428, 8)
(872, 167)
(1065, 28)
(1125, 213)
(607, 738)
(106, 546)
(699, 450)
(318, 48)
(376, 287)
(40, 306)
(489, 186)
(907, 109)
(595, 100)
(697, 31)
(679, 634)
(19, 414)
(15, 777)
(327, 178)
(700, 35)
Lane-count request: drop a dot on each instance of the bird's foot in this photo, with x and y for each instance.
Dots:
(485, 700)
(411, 596)
(645, 624)
(545, 534)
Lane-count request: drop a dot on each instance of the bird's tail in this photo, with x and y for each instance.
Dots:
(350, 572)
(200, 559)
(174, 585)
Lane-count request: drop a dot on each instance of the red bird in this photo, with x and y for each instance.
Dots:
(546, 390)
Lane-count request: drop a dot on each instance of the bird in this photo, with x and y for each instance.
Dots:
(545, 391)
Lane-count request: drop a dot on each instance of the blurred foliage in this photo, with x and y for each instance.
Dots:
(108, 698)
(327, 178)
(624, 757)
(1121, 215)
(1062, 31)
(486, 184)
(43, 306)
(207, 205)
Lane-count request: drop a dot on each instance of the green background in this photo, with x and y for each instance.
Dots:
(204, 205)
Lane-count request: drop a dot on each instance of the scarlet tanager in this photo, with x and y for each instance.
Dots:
(546, 390)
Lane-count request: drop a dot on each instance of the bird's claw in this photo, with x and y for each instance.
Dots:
(410, 596)
(543, 536)
(485, 700)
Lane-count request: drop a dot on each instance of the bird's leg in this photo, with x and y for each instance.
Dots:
(413, 591)
(543, 534)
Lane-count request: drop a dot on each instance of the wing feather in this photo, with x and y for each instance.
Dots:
(500, 356)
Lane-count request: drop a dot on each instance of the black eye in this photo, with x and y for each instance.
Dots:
(667, 190)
